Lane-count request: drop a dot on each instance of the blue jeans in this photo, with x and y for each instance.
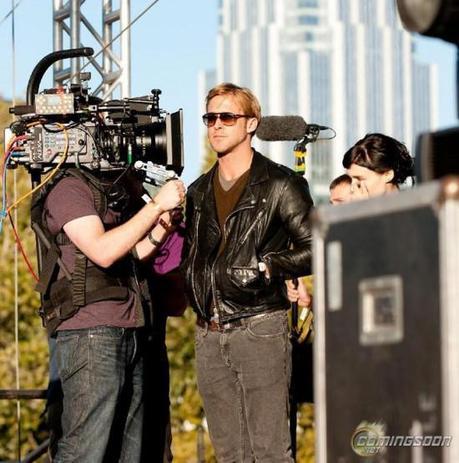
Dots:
(101, 372)
(243, 377)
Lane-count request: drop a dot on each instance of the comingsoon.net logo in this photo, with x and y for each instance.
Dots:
(369, 439)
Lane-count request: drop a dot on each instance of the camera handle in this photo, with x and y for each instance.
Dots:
(43, 65)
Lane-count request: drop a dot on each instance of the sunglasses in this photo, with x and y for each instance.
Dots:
(229, 119)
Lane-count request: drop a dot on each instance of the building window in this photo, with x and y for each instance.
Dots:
(270, 11)
(308, 3)
(343, 11)
(308, 20)
(252, 14)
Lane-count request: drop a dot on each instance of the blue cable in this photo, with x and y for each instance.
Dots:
(3, 211)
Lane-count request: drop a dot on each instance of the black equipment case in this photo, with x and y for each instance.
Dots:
(386, 360)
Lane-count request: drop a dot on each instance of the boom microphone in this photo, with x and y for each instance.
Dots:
(285, 128)
(281, 128)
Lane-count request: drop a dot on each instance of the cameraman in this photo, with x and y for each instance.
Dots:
(98, 347)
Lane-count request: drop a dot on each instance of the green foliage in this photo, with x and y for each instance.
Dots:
(186, 403)
(209, 157)
(33, 350)
(305, 434)
(5, 118)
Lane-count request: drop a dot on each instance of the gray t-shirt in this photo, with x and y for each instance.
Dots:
(71, 199)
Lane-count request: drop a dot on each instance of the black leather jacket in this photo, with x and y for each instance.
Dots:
(272, 213)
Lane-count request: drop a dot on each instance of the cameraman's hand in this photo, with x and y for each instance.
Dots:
(170, 195)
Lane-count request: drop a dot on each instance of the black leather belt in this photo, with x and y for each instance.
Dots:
(212, 325)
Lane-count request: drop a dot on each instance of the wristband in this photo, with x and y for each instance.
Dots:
(166, 227)
(153, 240)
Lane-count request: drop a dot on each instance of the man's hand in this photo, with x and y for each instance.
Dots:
(299, 294)
(170, 195)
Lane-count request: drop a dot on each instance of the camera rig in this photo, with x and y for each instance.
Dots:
(67, 126)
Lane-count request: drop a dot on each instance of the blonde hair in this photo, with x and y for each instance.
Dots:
(248, 101)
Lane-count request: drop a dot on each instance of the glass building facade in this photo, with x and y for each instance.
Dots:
(347, 64)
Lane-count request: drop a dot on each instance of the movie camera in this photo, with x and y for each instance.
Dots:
(69, 127)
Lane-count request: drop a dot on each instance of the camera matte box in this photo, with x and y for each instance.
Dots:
(386, 351)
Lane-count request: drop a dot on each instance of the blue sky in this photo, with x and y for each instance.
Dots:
(170, 44)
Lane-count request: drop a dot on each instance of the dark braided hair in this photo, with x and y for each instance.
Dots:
(380, 153)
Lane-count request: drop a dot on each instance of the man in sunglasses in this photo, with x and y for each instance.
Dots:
(241, 218)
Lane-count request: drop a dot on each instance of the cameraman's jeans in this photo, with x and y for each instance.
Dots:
(101, 371)
(243, 378)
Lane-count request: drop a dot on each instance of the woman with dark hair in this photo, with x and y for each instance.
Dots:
(378, 164)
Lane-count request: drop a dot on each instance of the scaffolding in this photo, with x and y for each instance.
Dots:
(114, 68)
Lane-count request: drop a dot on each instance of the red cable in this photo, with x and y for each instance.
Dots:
(16, 236)
(5, 156)
(24, 255)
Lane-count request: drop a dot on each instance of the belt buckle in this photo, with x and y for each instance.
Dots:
(225, 327)
(213, 325)
(231, 325)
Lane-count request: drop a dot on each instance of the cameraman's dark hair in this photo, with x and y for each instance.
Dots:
(339, 180)
(380, 153)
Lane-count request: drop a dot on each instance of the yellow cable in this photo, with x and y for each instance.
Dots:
(51, 175)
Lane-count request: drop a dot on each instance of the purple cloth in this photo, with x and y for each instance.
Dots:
(170, 253)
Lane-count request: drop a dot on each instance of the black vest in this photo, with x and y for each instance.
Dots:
(62, 297)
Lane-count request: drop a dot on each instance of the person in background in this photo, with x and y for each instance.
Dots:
(378, 165)
(340, 193)
(340, 190)
(167, 288)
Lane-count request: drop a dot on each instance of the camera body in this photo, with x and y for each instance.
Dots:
(96, 134)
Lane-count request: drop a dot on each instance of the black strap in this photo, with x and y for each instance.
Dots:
(79, 279)
(51, 254)
(47, 271)
(62, 239)
(60, 307)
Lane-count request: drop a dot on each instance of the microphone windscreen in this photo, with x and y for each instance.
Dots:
(281, 128)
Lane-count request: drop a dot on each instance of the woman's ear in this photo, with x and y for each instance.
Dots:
(389, 176)
(252, 125)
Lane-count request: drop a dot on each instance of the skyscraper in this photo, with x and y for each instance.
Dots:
(347, 64)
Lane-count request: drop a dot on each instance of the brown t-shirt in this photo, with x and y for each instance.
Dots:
(71, 199)
(226, 200)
